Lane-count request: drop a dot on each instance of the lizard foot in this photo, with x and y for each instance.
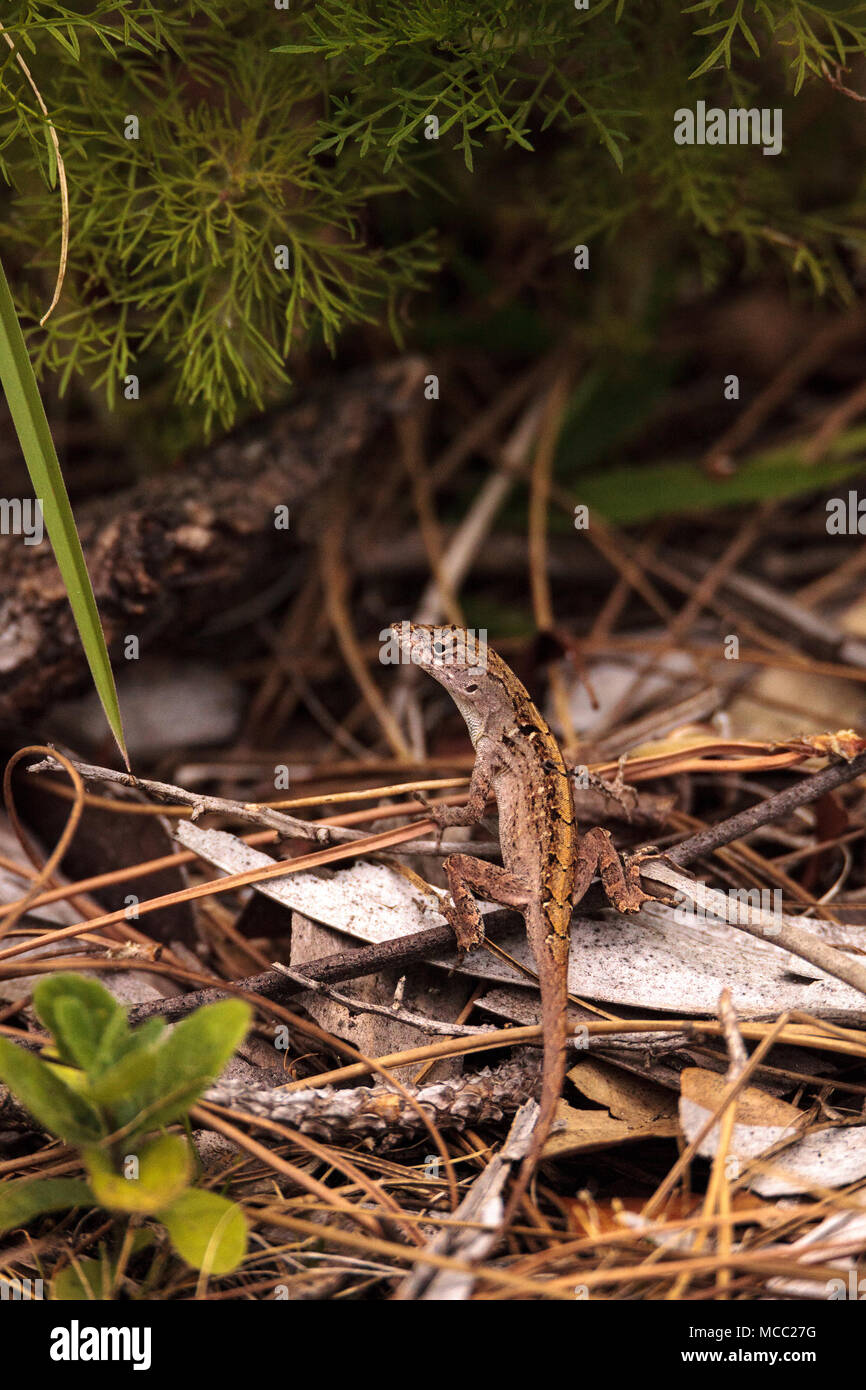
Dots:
(462, 912)
(620, 877)
(436, 813)
(633, 895)
(467, 924)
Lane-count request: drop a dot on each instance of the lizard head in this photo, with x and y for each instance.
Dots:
(459, 660)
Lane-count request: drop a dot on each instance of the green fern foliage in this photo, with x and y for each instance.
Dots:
(293, 173)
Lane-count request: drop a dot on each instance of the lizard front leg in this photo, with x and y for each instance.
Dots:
(466, 874)
(620, 877)
(480, 785)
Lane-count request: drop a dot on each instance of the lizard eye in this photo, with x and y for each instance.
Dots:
(470, 688)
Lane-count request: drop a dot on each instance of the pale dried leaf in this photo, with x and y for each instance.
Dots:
(646, 961)
(821, 1158)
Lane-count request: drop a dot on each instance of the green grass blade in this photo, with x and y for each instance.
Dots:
(28, 415)
(633, 494)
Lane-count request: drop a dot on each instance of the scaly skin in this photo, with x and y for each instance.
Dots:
(547, 864)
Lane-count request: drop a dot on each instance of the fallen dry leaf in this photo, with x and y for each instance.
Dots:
(822, 1157)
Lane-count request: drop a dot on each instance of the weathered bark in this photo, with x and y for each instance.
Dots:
(171, 552)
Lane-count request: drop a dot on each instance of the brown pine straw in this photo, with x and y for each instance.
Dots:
(45, 871)
(212, 1117)
(562, 1288)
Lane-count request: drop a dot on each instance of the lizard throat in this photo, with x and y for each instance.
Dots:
(474, 721)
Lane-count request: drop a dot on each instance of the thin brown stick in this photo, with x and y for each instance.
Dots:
(44, 871)
(740, 544)
(335, 583)
(404, 950)
(732, 1090)
(210, 1118)
(539, 494)
(834, 423)
(409, 435)
(219, 1117)
(818, 347)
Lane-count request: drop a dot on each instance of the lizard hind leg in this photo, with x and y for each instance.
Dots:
(467, 875)
(620, 877)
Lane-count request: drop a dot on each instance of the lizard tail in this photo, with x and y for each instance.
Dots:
(554, 1018)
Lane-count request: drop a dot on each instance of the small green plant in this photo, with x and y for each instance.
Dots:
(248, 181)
(112, 1091)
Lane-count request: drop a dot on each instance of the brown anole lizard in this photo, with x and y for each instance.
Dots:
(547, 865)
